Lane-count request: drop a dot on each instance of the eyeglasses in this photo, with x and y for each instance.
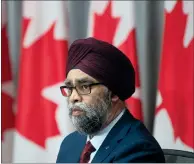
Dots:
(84, 89)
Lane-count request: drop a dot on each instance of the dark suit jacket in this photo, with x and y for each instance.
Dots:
(128, 141)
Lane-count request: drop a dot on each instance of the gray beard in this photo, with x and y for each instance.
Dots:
(93, 117)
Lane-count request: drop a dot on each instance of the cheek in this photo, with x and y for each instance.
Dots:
(87, 100)
(90, 100)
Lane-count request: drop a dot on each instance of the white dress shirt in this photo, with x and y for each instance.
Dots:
(98, 139)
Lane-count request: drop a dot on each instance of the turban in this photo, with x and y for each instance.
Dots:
(105, 63)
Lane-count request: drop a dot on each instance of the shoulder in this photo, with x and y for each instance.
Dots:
(139, 151)
(68, 144)
(136, 129)
(140, 145)
(139, 135)
(74, 136)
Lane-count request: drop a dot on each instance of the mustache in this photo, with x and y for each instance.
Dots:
(78, 106)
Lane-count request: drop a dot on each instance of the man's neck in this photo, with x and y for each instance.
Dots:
(114, 112)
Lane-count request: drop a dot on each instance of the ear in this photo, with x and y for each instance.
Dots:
(114, 98)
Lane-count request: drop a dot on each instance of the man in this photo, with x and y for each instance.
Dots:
(99, 79)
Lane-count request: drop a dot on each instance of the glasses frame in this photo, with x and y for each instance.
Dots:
(75, 87)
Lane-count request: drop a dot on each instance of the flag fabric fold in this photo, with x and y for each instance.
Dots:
(42, 116)
(174, 117)
(7, 92)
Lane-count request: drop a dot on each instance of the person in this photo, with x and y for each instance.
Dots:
(99, 78)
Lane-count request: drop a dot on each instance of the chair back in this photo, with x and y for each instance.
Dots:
(178, 156)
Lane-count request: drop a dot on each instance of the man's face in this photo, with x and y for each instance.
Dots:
(88, 112)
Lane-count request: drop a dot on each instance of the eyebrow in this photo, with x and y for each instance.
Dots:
(85, 80)
(67, 82)
(79, 81)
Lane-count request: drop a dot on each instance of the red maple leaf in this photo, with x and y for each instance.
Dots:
(105, 26)
(176, 76)
(8, 117)
(42, 65)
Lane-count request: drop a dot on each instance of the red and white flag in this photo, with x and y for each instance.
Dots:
(42, 117)
(7, 92)
(113, 21)
(174, 120)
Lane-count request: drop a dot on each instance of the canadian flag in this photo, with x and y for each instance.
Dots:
(7, 93)
(174, 120)
(42, 117)
(113, 21)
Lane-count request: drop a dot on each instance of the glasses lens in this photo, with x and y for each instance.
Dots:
(65, 92)
(83, 89)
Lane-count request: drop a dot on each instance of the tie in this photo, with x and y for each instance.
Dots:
(88, 149)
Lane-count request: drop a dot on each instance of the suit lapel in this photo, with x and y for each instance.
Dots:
(117, 133)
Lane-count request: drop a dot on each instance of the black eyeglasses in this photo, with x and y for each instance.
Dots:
(84, 89)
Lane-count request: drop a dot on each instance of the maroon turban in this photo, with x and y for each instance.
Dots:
(105, 63)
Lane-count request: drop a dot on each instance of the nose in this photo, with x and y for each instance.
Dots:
(75, 97)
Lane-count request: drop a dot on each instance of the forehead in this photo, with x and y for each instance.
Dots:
(76, 75)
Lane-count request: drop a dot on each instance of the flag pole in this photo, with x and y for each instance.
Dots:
(149, 41)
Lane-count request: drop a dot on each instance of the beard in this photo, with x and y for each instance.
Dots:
(93, 116)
